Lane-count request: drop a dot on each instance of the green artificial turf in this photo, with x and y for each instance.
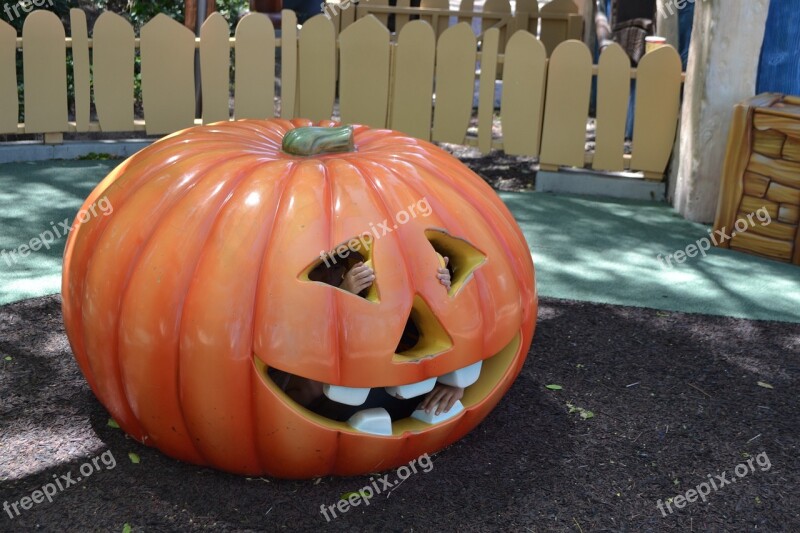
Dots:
(591, 249)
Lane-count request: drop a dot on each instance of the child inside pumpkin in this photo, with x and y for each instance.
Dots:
(356, 277)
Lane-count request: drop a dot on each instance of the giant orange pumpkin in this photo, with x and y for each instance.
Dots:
(178, 302)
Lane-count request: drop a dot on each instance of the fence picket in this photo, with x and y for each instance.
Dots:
(45, 73)
(288, 63)
(569, 86)
(413, 80)
(489, 48)
(613, 91)
(456, 53)
(522, 104)
(438, 22)
(496, 6)
(167, 49)
(80, 68)
(215, 64)
(316, 75)
(401, 20)
(364, 73)
(525, 9)
(658, 95)
(254, 86)
(543, 109)
(113, 55)
(555, 32)
(9, 101)
(362, 11)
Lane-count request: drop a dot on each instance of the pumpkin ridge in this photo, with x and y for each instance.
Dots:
(337, 348)
(213, 215)
(124, 290)
(189, 307)
(291, 168)
(134, 189)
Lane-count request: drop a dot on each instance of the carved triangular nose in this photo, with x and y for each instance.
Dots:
(424, 336)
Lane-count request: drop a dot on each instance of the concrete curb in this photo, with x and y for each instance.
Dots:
(21, 151)
(601, 185)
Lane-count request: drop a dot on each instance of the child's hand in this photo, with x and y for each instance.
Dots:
(444, 275)
(358, 278)
(442, 397)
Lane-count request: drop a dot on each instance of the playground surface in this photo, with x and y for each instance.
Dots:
(588, 249)
(669, 378)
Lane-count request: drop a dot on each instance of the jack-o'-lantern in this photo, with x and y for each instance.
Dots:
(198, 283)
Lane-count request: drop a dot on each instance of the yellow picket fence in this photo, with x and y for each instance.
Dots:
(420, 85)
(556, 22)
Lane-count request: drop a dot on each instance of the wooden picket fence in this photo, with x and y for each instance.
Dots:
(556, 22)
(418, 85)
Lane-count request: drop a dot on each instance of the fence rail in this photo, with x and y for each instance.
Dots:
(418, 84)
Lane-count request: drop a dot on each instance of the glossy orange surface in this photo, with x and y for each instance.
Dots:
(175, 301)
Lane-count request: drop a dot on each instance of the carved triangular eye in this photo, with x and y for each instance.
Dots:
(424, 336)
(464, 259)
(331, 266)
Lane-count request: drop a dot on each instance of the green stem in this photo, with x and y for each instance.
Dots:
(313, 140)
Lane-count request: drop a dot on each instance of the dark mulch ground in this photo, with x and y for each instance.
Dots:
(675, 397)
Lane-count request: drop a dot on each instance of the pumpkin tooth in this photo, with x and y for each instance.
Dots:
(346, 395)
(412, 390)
(376, 421)
(433, 418)
(463, 377)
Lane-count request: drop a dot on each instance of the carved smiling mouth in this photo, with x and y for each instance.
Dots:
(352, 409)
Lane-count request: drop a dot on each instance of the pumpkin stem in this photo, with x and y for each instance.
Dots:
(313, 140)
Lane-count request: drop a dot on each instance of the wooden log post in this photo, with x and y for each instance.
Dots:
(722, 71)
